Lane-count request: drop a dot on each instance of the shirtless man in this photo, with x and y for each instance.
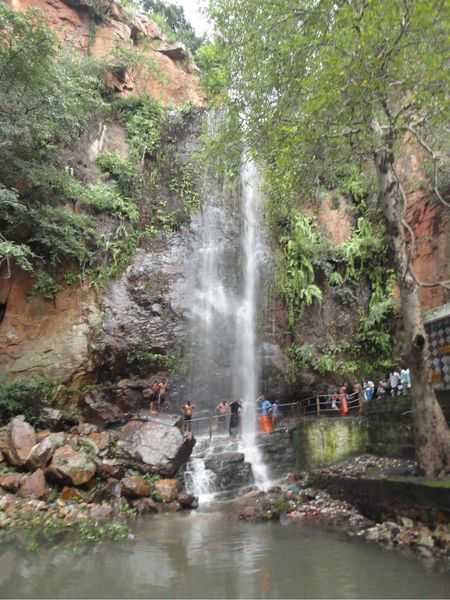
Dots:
(187, 415)
(163, 392)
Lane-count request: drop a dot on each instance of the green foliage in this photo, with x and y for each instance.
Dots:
(296, 270)
(124, 172)
(43, 528)
(210, 58)
(172, 20)
(364, 245)
(58, 234)
(25, 396)
(116, 249)
(46, 99)
(104, 197)
(143, 118)
(145, 361)
(44, 285)
(183, 185)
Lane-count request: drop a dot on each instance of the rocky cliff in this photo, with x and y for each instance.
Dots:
(137, 325)
(106, 31)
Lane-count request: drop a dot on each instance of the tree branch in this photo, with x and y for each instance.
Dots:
(434, 158)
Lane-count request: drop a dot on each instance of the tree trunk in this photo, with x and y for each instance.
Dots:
(432, 435)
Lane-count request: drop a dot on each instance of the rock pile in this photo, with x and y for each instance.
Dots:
(88, 473)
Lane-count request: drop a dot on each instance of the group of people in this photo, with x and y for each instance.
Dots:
(396, 384)
(158, 396)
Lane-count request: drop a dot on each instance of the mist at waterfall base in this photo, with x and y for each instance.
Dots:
(228, 267)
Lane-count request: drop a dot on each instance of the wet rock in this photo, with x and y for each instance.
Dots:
(135, 487)
(156, 448)
(231, 470)
(145, 505)
(171, 507)
(101, 512)
(11, 482)
(166, 489)
(41, 453)
(34, 486)
(188, 501)
(107, 490)
(22, 438)
(71, 466)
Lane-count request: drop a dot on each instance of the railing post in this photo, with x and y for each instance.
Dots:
(210, 422)
(318, 405)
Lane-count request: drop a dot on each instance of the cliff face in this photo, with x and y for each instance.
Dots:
(165, 73)
(78, 331)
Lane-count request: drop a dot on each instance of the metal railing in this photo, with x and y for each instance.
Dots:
(289, 413)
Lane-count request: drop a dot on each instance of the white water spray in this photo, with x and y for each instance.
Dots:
(247, 367)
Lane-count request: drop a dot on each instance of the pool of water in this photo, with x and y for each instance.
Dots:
(209, 554)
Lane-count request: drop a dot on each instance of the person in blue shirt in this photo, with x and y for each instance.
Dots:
(264, 406)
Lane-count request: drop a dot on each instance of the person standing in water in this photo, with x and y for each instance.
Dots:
(187, 415)
(235, 418)
(222, 411)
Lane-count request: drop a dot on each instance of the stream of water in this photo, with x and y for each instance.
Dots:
(211, 555)
(226, 266)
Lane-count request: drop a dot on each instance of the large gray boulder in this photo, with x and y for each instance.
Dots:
(232, 472)
(22, 438)
(71, 466)
(156, 448)
(41, 453)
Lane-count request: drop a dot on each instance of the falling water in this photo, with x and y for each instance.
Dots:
(247, 367)
(226, 261)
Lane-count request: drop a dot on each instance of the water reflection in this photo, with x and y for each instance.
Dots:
(210, 555)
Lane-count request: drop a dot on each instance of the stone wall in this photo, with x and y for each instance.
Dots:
(323, 441)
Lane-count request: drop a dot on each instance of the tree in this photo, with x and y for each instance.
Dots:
(174, 20)
(47, 97)
(322, 83)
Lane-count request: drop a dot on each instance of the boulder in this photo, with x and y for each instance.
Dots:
(41, 453)
(97, 407)
(70, 466)
(135, 487)
(170, 507)
(101, 439)
(166, 489)
(187, 501)
(22, 438)
(34, 486)
(112, 468)
(232, 472)
(11, 482)
(51, 417)
(145, 505)
(156, 448)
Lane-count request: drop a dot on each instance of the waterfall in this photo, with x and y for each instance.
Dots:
(225, 289)
(247, 367)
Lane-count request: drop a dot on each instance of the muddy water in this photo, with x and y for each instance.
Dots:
(210, 555)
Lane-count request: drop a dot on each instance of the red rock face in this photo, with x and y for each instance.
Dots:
(430, 221)
(165, 78)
